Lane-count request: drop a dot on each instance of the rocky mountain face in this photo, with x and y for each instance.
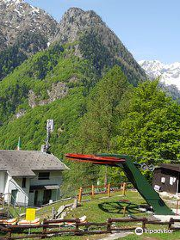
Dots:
(169, 73)
(77, 53)
(74, 22)
(96, 41)
(24, 31)
(18, 17)
(30, 29)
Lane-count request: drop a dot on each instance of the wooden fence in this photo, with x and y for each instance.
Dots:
(76, 227)
(95, 190)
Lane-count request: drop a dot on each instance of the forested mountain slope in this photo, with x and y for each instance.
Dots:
(90, 84)
(24, 30)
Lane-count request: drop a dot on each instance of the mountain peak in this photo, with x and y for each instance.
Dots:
(74, 11)
(74, 22)
(94, 39)
(169, 73)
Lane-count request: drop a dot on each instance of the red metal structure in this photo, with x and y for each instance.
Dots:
(133, 174)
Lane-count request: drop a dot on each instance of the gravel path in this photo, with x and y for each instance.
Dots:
(116, 236)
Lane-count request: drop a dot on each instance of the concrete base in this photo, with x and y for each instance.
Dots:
(166, 218)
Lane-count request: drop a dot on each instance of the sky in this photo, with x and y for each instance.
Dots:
(148, 28)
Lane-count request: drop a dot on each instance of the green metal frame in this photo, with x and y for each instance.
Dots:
(142, 185)
(133, 174)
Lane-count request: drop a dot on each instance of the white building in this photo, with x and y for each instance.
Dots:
(30, 178)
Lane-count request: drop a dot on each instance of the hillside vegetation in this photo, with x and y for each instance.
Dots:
(96, 93)
(26, 45)
(104, 114)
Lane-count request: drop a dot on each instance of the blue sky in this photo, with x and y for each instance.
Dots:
(148, 28)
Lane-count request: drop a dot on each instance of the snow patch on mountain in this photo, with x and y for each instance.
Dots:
(35, 9)
(13, 1)
(169, 74)
(18, 17)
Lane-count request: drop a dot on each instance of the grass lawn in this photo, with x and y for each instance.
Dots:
(100, 208)
(153, 236)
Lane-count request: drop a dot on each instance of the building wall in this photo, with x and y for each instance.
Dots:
(54, 178)
(55, 194)
(31, 199)
(24, 196)
(168, 185)
(40, 197)
(2, 181)
(23, 193)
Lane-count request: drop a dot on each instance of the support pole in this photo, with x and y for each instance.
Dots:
(92, 192)
(124, 189)
(80, 195)
(109, 190)
(124, 211)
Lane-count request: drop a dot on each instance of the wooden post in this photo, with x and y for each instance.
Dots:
(9, 235)
(124, 211)
(177, 206)
(124, 189)
(144, 223)
(92, 192)
(80, 195)
(53, 213)
(44, 229)
(171, 221)
(109, 189)
(109, 222)
(77, 226)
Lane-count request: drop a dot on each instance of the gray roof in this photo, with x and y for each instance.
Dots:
(173, 167)
(23, 163)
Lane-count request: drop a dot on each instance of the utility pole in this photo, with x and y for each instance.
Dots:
(49, 129)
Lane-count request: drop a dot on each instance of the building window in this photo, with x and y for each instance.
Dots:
(172, 180)
(43, 176)
(163, 179)
(24, 183)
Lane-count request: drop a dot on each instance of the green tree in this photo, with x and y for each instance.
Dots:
(99, 123)
(150, 124)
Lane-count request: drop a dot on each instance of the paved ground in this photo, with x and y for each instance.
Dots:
(116, 236)
(166, 218)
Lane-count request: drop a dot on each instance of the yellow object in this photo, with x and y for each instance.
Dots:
(30, 214)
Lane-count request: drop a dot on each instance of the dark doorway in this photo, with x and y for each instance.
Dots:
(178, 182)
(36, 198)
(13, 197)
(47, 196)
